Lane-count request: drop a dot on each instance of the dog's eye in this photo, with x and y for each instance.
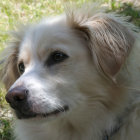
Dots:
(21, 67)
(56, 57)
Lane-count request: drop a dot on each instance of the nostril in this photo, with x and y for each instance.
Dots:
(20, 96)
(26, 91)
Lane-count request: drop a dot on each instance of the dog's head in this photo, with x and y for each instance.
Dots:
(57, 65)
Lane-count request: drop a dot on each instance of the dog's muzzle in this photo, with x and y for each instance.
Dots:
(18, 100)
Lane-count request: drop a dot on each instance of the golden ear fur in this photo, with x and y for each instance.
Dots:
(108, 37)
(9, 57)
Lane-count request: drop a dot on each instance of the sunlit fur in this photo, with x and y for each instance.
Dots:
(99, 81)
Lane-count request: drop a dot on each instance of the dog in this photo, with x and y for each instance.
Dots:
(74, 77)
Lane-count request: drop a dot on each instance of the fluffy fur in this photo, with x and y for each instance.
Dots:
(99, 81)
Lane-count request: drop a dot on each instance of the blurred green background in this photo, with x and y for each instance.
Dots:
(16, 12)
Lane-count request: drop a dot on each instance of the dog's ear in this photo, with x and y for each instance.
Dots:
(9, 72)
(109, 40)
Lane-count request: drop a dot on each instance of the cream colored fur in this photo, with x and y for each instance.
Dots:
(99, 81)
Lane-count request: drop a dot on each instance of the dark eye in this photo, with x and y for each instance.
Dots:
(21, 67)
(56, 57)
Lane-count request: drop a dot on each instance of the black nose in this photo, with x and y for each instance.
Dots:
(17, 95)
(18, 99)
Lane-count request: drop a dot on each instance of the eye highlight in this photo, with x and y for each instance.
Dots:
(21, 67)
(56, 57)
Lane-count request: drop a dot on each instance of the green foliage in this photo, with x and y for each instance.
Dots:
(2, 98)
(5, 119)
(6, 130)
(127, 9)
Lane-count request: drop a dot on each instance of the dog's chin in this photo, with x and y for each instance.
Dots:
(33, 115)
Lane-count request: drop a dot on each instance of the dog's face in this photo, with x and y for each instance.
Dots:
(54, 70)
(52, 62)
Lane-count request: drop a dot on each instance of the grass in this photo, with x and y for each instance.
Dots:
(5, 118)
(6, 132)
(127, 9)
(13, 12)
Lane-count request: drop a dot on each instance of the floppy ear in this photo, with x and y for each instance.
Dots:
(9, 72)
(109, 40)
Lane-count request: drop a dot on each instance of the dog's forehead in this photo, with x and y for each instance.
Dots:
(43, 33)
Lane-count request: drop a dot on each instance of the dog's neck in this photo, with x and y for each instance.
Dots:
(104, 128)
(108, 134)
(106, 125)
